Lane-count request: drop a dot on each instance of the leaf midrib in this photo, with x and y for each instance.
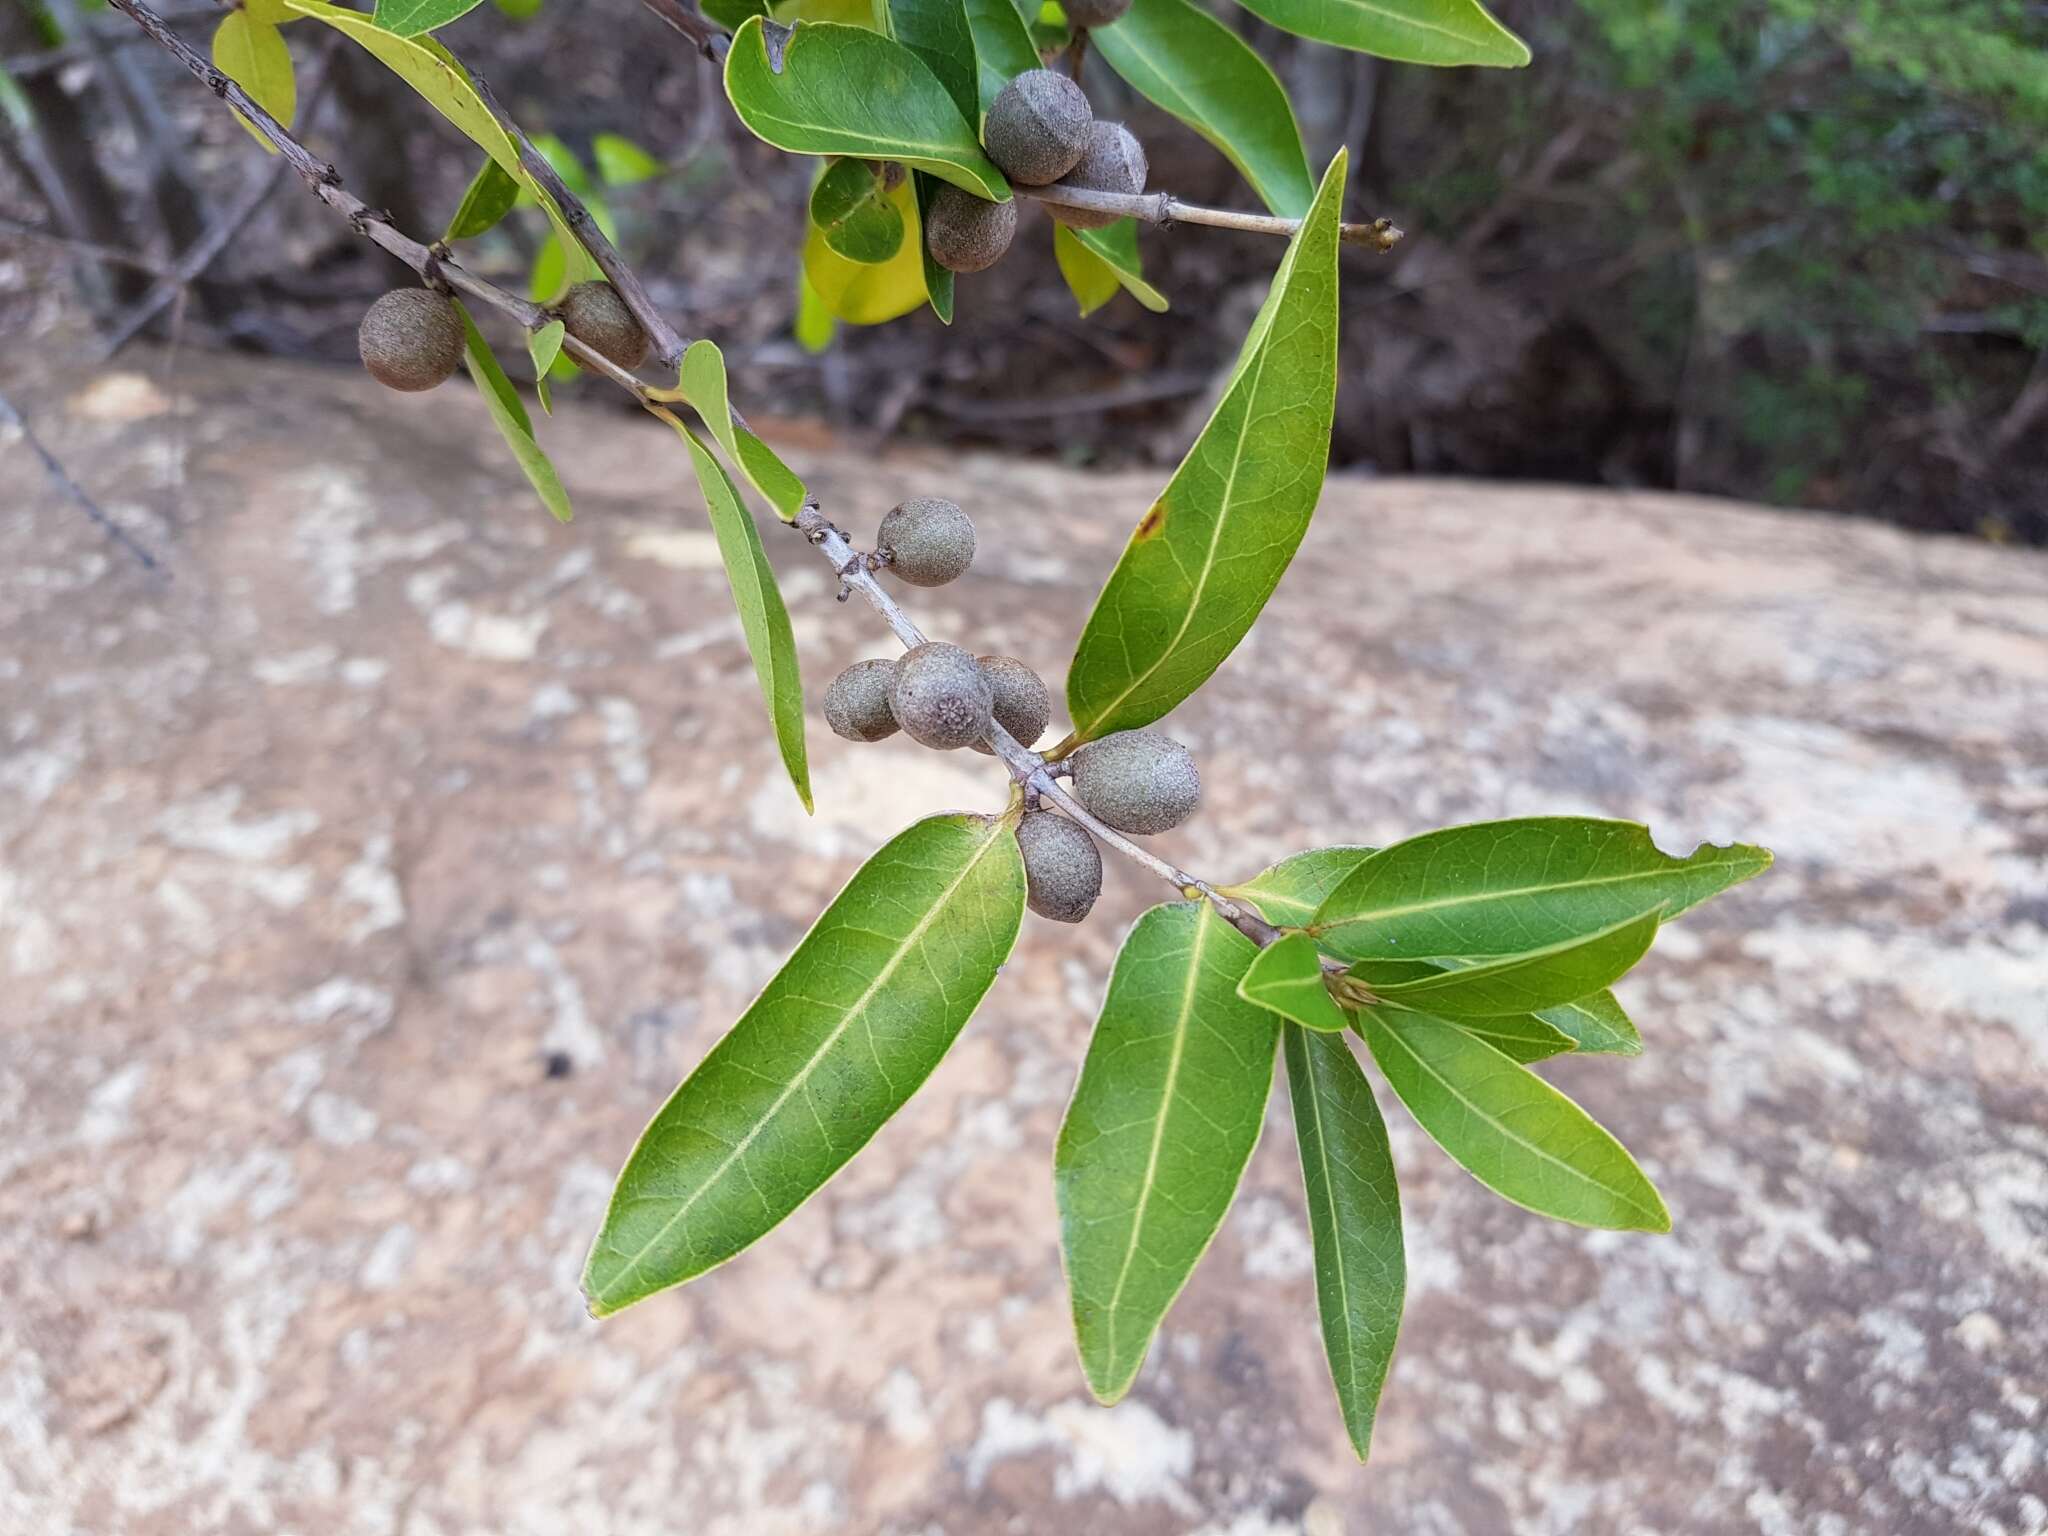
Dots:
(803, 1075)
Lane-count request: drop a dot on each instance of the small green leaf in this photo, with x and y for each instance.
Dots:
(868, 295)
(1288, 893)
(1508, 1128)
(849, 1028)
(1163, 1120)
(847, 91)
(938, 281)
(1411, 31)
(1506, 886)
(851, 208)
(815, 326)
(549, 276)
(1183, 59)
(544, 346)
(252, 53)
(1208, 554)
(1091, 280)
(621, 162)
(508, 412)
(936, 31)
(1002, 48)
(491, 195)
(703, 383)
(1115, 246)
(763, 618)
(1519, 1037)
(1287, 977)
(1596, 1025)
(413, 18)
(1354, 1220)
(1529, 982)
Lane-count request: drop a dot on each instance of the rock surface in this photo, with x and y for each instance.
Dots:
(365, 885)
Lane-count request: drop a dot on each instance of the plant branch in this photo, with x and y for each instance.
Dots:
(668, 346)
(705, 37)
(54, 468)
(1163, 208)
(1028, 768)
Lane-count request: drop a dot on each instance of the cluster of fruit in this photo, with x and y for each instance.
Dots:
(411, 338)
(1040, 130)
(944, 696)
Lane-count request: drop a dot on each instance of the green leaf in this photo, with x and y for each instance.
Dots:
(1163, 1119)
(938, 281)
(1596, 1026)
(544, 346)
(1528, 982)
(1002, 48)
(621, 162)
(412, 18)
(252, 53)
(731, 14)
(851, 1025)
(850, 207)
(549, 277)
(508, 411)
(1288, 893)
(1211, 550)
(847, 91)
(868, 295)
(490, 197)
(1508, 1128)
(1501, 887)
(763, 618)
(936, 31)
(815, 326)
(1411, 31)
(1183, 59)
(703, 383)
(1520, 1037)
(1091, 280)
(1115, 246)
(1287, 977)
(1354, 1220)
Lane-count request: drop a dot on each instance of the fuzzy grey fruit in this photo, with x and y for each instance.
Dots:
(1137, 781)
(1062, 866)
(595, 315)
(941, 695)
(1022, 706)
(411, 339)
(927, 541)
(1113, 162)
(857, 703)
(966, 233)
(1094, 13)
(1037, 127)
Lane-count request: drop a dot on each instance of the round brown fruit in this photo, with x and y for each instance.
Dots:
(411, 339)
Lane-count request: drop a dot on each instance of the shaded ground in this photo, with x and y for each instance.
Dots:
(365, 886)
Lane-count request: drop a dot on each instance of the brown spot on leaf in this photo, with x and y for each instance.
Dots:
(1150, 524)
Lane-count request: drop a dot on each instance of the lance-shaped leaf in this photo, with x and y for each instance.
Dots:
(1288, 893)
(1183, 59)
(1163, 1119)
(1502, 887)
(1412, 31)
(1213, 547)
(544, 346)
(508, 413)
(937, 32)
(1508, 1128)
(703, 383)
(854, 1021)
(1115, 247)
(938, 280)
(1596, 1025)
(1354, 1220)
(763, 618)
(413, 18)
(1521, 1037)
(1002, 48)
(1287, 977)
(846, 91)
(1091, 280)
(250, 51)
(1527, 982)
(492, 193)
